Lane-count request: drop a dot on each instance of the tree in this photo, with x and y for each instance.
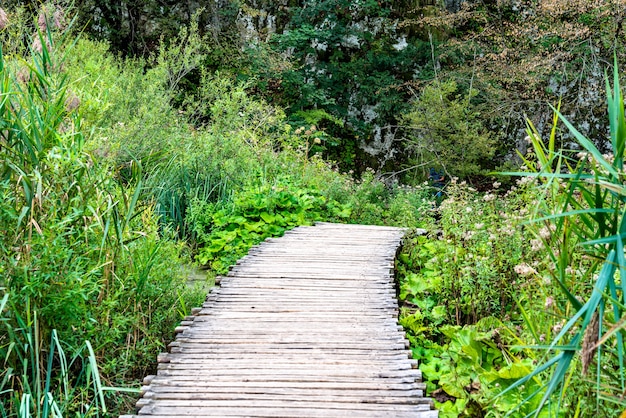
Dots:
(443, 127)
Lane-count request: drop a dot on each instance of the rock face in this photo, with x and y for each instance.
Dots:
(454, 5)
(331, 38)
(353, 58)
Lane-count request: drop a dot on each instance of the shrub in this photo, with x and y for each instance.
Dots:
(443, 127)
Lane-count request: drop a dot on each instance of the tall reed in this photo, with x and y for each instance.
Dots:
(585, 210)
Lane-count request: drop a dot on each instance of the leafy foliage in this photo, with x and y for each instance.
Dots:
(85, 268)
(348, 67)
(255, 215)
(447, 132)
(556, 348)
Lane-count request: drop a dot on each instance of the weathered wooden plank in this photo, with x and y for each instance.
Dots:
(198, 405)
(300, 412)
(185, 407)
(340, 386)
(412, 398)
(361, 396)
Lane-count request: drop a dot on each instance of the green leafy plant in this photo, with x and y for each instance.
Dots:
(83, 257)
(256, 214)
(453, 287)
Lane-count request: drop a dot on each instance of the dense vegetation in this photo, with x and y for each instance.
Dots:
(126, 159)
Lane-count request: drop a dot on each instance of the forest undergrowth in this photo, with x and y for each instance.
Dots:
(515, 304)
(113, 180)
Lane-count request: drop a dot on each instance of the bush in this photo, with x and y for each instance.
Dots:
(443, 128)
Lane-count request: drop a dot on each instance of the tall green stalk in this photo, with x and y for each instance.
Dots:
(585, 207)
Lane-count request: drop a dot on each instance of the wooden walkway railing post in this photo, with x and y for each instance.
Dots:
(303, 326)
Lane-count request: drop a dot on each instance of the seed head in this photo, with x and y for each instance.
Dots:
(72, 102)
(58, 18)
(4, 19)
(42, 20)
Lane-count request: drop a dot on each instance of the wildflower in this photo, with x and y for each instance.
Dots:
(58, 18)
(23, 75)
(489, 197)
(467, 235)
(524, 270)
(542, 337)
(479, 225)
(4, 20)
(549, 302)
(528, 139)
(496, 184)
(468, 209)
(545, 233)
(38, 46)
(42, 20)
(536, 244)
(317, 141)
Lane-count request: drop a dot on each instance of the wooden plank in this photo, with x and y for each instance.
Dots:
(300, 412)
(324, 395)
(199, 405)
(190, 383)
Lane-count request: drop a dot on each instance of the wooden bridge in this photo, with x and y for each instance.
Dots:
(304, 326)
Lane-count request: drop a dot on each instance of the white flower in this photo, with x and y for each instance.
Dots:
(524, 270)
(468, 235)
(545, 232)
(536, 244)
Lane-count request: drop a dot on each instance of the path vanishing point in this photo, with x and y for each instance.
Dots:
(304, 326)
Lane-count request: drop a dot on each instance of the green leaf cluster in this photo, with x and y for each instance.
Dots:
(255, 214)
(446, 131)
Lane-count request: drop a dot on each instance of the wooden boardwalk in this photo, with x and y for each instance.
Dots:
(304, 326)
